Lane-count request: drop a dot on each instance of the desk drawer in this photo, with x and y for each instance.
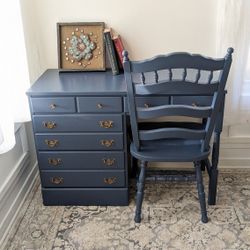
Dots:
(78, 123)
(193, 100)
(53, 105)
(66, 160)
(83, 178)
(99, 104)
(80, 141)
(149, 101)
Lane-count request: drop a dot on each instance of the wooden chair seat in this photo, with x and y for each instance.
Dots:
(169, 150)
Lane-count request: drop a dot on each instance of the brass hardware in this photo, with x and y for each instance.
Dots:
(107, 143)
(108, 161)
(52, 143)
(146, 105)
(106, 124)
(52, 106)
(54, 161)
(194, 104)
(110, 180)
(49, 125)
(99, 105)
(56, 180)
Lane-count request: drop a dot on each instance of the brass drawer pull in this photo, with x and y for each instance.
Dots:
(106, 124)
(52, 143)
(110, 180)
(49, 125)
(107, 143)
(108, 161)
(56, 180)
(146, 105)
(52, 106)
(54, 161)
(99, 105)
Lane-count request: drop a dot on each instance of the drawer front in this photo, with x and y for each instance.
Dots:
(67, 160)
(83, 178)
(53, 105)
(149, 101)
(77, 123)
(99, 104)
(193, 100)
(80, 141)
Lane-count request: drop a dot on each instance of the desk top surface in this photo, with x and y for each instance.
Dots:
(51, 82)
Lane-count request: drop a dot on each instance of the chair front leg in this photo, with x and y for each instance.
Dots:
(140, 191)
(201, 193)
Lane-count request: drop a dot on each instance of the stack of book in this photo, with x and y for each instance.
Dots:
(114, 50)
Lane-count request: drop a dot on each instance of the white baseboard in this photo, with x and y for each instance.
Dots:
(13, 194)
(235, 152)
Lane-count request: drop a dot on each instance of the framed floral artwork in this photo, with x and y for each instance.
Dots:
(81, 46)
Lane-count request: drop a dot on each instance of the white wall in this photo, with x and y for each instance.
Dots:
(148, 27)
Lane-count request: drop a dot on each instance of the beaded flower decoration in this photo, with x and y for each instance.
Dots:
(80, 46)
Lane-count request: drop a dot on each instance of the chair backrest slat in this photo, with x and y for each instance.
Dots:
(180, 133)
(173, 86)
(176, 87)
(173, 110)
(178, 60)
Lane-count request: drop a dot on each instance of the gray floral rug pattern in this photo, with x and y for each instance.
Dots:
(171, 220)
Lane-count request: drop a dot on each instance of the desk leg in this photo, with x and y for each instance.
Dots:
(133, 167)
(203, 165)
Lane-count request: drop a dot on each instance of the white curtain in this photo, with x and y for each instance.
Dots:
(234, 31)
(14, 78)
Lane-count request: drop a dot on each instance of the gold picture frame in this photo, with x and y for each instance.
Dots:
(81, 46)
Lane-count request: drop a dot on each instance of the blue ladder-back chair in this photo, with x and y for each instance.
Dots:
(174, 143)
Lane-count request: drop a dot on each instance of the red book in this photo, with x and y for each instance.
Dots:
(119, 47)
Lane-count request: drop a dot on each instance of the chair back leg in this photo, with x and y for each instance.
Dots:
(201, 193)
(214, 171)
(140, 191)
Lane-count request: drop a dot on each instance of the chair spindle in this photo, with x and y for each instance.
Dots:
(210, 77)
(156, 76)
(184, 74)
(142, 78)
(170, 74)
(198, 75)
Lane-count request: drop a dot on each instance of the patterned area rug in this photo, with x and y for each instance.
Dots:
(171, 220)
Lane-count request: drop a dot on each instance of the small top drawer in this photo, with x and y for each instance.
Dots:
(149, 101)
(53, 105)
(99, 104)
(193, 100)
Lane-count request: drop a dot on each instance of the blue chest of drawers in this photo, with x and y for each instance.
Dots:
(79, 127)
